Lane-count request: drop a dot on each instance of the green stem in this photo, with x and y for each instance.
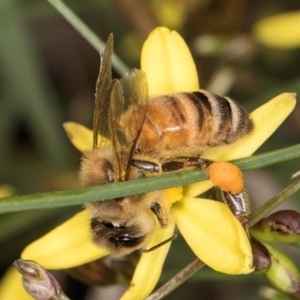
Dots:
(177, 280)
(132, 187)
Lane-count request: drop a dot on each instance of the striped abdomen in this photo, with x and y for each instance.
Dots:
(190, 123)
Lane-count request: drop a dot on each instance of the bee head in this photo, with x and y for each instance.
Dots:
(118, 238)
(115, 227)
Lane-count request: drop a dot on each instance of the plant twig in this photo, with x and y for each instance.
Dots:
(177, 280)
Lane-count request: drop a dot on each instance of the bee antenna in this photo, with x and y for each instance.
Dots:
(174, 236)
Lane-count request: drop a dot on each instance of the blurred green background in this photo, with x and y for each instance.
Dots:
(47, 77)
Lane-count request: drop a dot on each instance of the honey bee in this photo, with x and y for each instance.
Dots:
(142, 137)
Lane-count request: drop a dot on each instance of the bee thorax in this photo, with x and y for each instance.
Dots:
(96, 169)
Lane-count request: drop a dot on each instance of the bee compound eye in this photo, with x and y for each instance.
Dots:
(125, 240)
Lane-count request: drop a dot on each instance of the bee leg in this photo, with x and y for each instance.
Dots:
(239, 205)
(147, 166)
(236, 199)
(163, 221)
(171, 165)
(174, 236)
(161, 217)
(180, 163)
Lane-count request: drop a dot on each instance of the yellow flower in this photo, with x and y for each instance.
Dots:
(281, 31)
(209, 227)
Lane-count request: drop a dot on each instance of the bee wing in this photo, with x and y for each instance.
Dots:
(102, 100)
(127, 112)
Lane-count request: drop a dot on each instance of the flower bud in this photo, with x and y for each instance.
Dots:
(261, 257)
(38, 282)
(283, 274)
(282, 226)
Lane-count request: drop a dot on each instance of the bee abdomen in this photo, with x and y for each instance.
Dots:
(230, 119)
(191, 123)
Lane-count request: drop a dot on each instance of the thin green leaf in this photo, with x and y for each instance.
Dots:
(122, 189)
(98, 193)
(268, 158)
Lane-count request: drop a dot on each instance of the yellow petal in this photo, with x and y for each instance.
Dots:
(267, 118)
(279, 31)
(197, 188)
(214, 234)
(168, 63)
(81, 137)
(150, 265)
(66, 246)
(11, 286)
